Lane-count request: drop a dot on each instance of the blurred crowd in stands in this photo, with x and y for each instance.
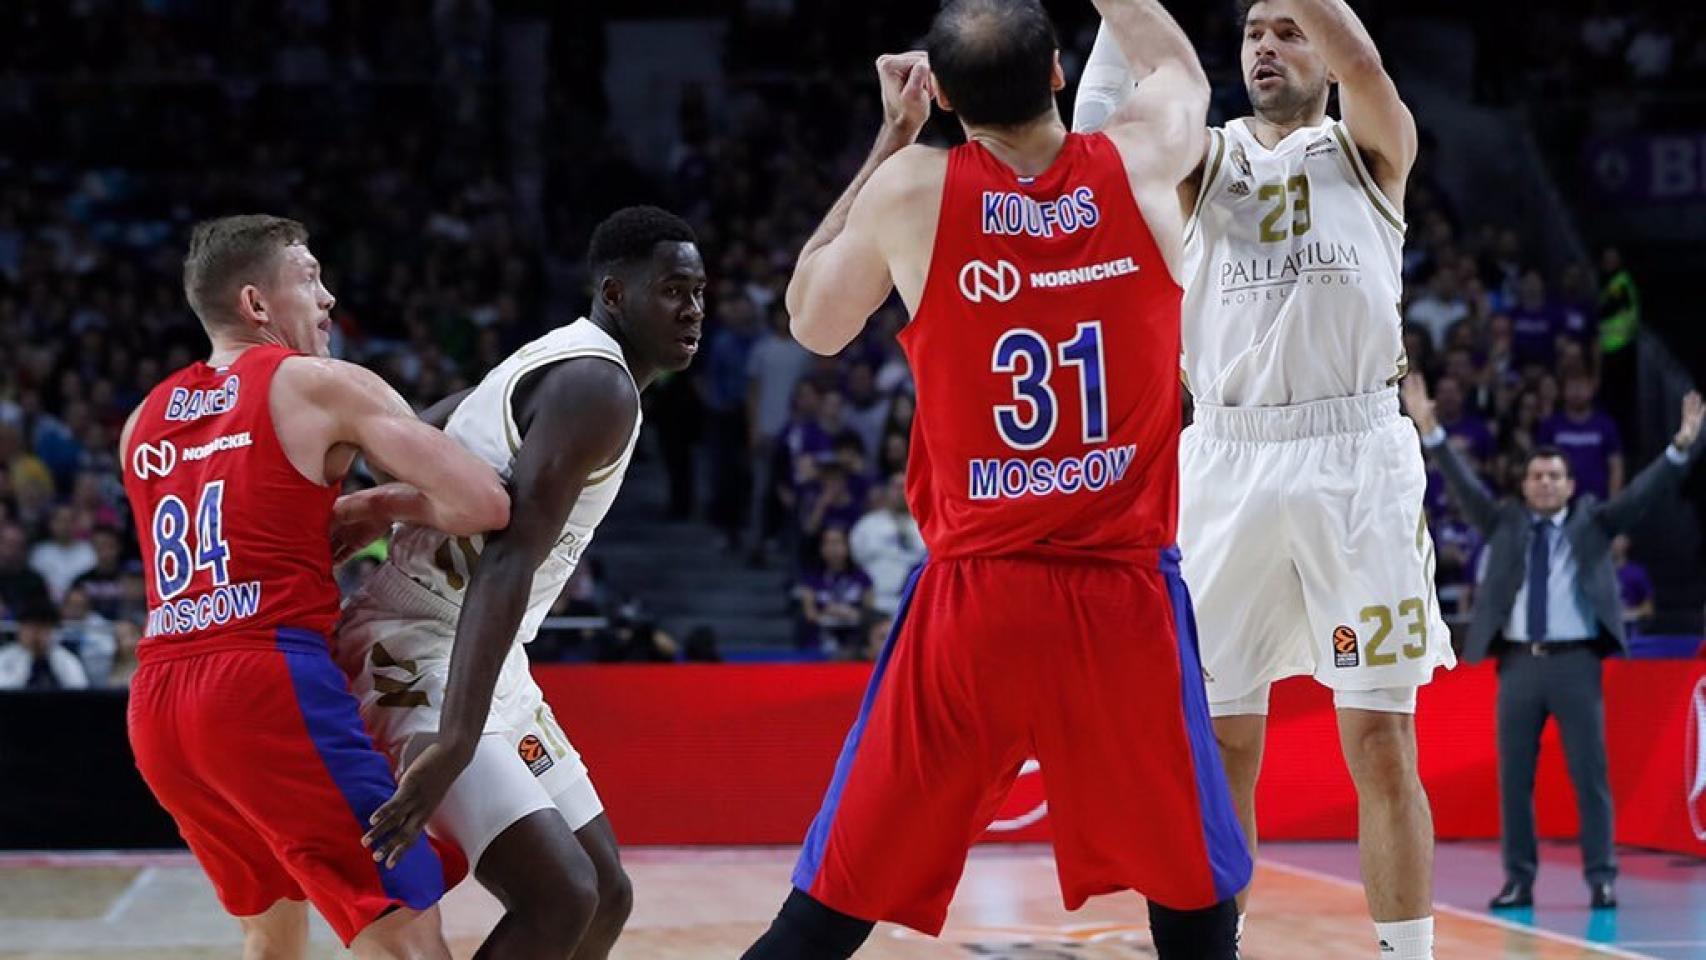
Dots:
(145, 116)
(1580, 49)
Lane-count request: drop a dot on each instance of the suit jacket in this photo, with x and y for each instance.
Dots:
(1509, 529)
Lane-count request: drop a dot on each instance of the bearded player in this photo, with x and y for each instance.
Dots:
(434, 643)
(1301, 516)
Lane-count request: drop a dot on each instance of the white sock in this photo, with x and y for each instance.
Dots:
(1406, 939)
(1104, 85)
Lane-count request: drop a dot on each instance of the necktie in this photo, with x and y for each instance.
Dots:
(1539, 568)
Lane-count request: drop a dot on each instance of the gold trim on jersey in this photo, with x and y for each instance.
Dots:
(1381, 202)
(1213, 172)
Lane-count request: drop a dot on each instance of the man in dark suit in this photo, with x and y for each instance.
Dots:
(1548, 610)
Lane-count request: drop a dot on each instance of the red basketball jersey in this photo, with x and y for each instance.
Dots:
(234, 539)
(1046, 354)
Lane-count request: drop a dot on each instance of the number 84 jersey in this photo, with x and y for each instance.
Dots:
(1294, 261)
(235, 540)
(1045, 349)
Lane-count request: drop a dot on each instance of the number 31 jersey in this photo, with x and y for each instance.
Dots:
(1294, 278)
(1045, 351)
(235, 540)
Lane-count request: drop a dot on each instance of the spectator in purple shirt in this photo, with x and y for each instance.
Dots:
(1468, 432)
(800, 443)
(834, 497)
(1588, 437)
(1535, 324)
(835, 599)
(1578, 308)
(1459, 421)
(1633, 584)
(1457, 545)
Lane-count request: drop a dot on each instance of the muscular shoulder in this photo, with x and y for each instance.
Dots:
(899, 206)
(590, 389)
(914, 173)
(1164, 149)
(321, 381)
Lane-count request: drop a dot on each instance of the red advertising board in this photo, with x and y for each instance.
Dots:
(741, 754)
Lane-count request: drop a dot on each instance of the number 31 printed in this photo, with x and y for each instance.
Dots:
(1027, 357)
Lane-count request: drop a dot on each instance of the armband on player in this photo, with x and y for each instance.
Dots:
(1105, 84)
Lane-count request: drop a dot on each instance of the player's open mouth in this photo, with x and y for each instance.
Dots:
(690, 341)
(1266, 72)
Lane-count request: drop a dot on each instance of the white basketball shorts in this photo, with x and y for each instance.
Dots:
(1306, 551)
(393, 643)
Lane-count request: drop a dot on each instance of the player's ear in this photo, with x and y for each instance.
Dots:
(252, 306)
(610, 291)
(1057, 76)
(942, 98)
(935, 89)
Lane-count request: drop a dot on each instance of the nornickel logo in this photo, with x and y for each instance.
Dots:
(151, 460)
(999, 282)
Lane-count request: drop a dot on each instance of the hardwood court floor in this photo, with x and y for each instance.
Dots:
(704, 904)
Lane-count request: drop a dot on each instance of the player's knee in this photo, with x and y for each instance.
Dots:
(1240, 745)
(615, 900)
(265, 946)
(562, 915)
(1209, 934)
(403, 935)
(280, 934)
(1380, 750)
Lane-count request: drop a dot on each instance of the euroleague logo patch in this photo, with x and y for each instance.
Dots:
(1345, 647)
(534, 754)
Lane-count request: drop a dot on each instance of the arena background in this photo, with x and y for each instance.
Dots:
(450, 159)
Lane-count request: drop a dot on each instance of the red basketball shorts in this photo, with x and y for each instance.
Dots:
(1089, 666)
(260, 756)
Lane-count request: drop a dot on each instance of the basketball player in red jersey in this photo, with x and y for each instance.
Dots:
(240, 721)
(1050, 620)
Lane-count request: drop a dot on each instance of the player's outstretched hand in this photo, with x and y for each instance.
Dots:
(1417, 403)
(907, 89)
(398, 823)
(1693, 412)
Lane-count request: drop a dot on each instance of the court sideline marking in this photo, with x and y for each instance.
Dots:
(122, 902)
(1541, 932)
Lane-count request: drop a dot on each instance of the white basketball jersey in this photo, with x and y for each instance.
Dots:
(1294, 266)
(484, 423)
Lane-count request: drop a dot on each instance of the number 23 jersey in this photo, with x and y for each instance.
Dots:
(1294, 261)
(1044, 350)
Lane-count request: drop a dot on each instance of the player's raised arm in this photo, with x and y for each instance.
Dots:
(351, 408)
(578, 420)
(842, 277)
(1375, 115)
(1163, 120)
